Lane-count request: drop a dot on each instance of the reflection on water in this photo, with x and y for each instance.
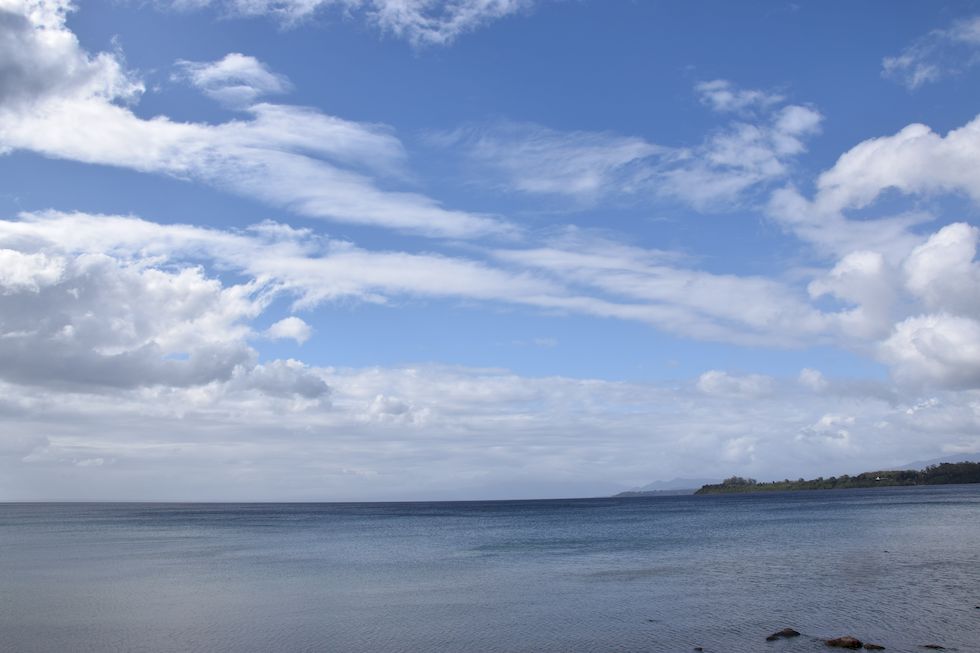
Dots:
(900, 567)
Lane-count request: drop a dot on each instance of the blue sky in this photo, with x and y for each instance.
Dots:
(368, 249)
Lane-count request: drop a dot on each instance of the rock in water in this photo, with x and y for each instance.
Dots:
(785, 633)
(934, 647)
(874, 647)
(845, 642)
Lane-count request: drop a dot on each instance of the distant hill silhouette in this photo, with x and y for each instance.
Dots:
(953, 458)
(674, 486)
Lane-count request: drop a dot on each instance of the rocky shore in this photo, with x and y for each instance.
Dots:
(844, 641)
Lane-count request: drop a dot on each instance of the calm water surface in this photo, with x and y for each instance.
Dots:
(900, 567)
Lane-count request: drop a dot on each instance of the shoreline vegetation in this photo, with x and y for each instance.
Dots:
(942, 474)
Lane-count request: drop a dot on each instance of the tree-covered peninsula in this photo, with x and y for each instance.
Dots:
(942, 474)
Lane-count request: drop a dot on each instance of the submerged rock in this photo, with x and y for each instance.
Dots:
(845, 642)
(874, 647)
(785, 633)
(934, 647)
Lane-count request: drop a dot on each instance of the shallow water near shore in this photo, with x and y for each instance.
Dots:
(899, 567)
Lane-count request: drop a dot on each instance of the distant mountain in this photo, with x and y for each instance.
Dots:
(955, 458)
(674, 486)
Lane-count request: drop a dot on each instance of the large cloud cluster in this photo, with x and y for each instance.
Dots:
(131, 349)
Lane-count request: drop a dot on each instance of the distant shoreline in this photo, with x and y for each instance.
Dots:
(942, 474)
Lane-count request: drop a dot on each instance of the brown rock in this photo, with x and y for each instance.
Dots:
(874, 647)
(785, 633)
(845, 642)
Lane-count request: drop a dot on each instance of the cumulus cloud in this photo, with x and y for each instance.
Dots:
(40, 59)
(90, 318)
(746, 154)
(914, 162)
(906, 295)
(103, 323)
(830, 428)
(866, 284)
(939, 54)
(290, 328)
(236, 80)
(813, 379)
(722, 384)
(943, 272)
(938, 349)
(66, 103)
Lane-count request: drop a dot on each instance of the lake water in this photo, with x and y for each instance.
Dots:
(899, 567)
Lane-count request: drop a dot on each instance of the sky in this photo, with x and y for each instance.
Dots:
(335, 250)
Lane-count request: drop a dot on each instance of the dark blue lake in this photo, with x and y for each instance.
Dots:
(899, 567)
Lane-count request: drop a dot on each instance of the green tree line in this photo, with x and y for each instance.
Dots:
(942, 474)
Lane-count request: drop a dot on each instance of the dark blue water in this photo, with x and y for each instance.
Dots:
(900, 567)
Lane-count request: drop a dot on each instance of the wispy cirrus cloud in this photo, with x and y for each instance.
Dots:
(572, 273)
(420, 22)
(939, 54)
(752, 150)
(534, 159)
(723, 95)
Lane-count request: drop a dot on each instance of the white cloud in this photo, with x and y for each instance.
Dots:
(236, 80)
(21, 272)
(722, 384)
(912, 299)
(744, 155)
(420, 22)
(572, 273)
(39, 58)
(740, 157)
(939, 54)
(813, 379)
(916, 160)
(577, 275)
(938, 349)
(92, 317)
(943, 272)
(831, 429)
(534, 159)
(65, 104)
(722, 95)
(292, 328)
(437, 432)
(117, 344)
(865, 283)
(690, 302)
